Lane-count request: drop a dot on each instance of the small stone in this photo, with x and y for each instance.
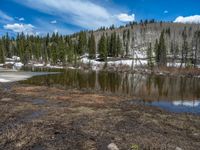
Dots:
(178, 148)
(6, 99)
(113, 146)
(196, 134)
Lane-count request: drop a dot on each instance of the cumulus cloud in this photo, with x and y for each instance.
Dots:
(53, 21)
(26, 28)
(189, 19)
(126, 18)
(4, 17)
(83, 13)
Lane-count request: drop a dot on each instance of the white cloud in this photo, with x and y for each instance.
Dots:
(126, 18)
(4, 17)
(166, 12)
(21, 19)
(189, 19)
(53, 21)
(26, 28)
(83, 13)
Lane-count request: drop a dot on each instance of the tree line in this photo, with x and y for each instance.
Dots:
(57, 48)
(187, 54)
(164, 42)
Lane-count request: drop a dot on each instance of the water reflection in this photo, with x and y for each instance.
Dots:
(195, 103)
(146, 87)
(178, 106)
(157, 90)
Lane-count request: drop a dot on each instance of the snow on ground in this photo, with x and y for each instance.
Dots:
(38, 65)
(12, 76)
(90, 61)
(128, 62)
(9, 62)
(96, 65)
(4, 80)
(72, 68)
(178, 65)
(16, 58)
(14, 61)
(140, 54)
(44, 65)
(56, 67)
(18, 65)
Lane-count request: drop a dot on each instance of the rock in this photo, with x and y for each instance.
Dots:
(6, 99)
(178, 148)
(196, 134)
(113, 146)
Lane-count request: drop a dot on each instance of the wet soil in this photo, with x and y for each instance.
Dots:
(40, 117)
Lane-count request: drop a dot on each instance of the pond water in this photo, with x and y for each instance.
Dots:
(177, 94)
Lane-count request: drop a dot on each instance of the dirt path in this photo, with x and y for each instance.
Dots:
(37, 118)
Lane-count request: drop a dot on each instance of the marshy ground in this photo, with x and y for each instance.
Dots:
(40, 117)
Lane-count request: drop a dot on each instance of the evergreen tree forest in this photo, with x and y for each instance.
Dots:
(162, 43)
(55, 48)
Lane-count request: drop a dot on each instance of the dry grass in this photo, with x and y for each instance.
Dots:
(178, 71)
(72, 119)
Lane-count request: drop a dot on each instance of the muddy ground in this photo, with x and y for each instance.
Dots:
(39, 117)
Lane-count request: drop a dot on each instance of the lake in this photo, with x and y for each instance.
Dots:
(176, 94)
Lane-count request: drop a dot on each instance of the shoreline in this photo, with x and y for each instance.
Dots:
(8, 75)
(11, 75)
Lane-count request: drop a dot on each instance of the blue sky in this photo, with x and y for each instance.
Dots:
(69, 16)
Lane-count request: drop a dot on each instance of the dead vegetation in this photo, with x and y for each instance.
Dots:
(39, 117)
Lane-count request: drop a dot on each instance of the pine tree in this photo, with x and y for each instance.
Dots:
(163, 50)
(185, 47)
(118, 46)
(54, 55)
(22, 46)
(62, 52)
(160, 51)
(112, 49)
(70, 51)
(7, 45)
(2, 54)
(82, 43)
(102, 48)
(157, 52)
(92, 47)
(150, 56)
(108, 43)
(114, 43)
(127, 50)
(196, 47)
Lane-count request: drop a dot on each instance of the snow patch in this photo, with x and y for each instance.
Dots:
(4, 80)
(96, 65)
(38, 65)
(56, 67)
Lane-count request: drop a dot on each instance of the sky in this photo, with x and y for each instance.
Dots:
(39, 17)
